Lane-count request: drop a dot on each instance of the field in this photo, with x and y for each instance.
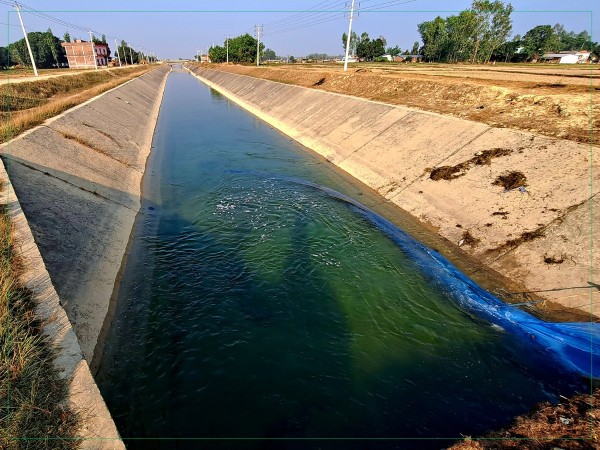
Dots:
(558, 101)
(25, 104)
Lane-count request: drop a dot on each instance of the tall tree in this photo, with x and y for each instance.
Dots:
(53, 44)
(539, 40)
(493, 26)
(415, 48)
(393, 51)
(242, 49)
(270, 54)
(354, 41)
(434, 35)
(45, 47)
(217, 54)
(3, 57)
(67, 37)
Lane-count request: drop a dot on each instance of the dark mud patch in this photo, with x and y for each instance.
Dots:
(511, 180)
(482, 158)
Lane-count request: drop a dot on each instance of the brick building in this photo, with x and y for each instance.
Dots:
(80, 53)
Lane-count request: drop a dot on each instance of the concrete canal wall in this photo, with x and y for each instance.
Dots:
(539, 236)
(77, 180)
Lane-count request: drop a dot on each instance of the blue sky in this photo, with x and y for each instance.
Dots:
(177, 28)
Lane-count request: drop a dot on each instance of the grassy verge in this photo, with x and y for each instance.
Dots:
(33, 411)
(26, 105)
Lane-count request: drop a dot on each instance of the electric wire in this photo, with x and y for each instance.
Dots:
(305, 17)
(324, 6)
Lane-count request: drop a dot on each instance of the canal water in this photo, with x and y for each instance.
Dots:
(256, 305)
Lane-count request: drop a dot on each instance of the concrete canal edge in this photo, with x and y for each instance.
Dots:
(534, 236)
(73, 194)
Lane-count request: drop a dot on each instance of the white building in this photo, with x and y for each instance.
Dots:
(570, 57)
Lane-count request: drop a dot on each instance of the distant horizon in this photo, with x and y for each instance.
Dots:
(178, 29)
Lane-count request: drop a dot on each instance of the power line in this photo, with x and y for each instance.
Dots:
(385, 5)
(304, 16)
(318, 22)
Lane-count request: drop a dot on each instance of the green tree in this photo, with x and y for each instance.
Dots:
(472, 35)
(434, 35)
(539, 40)
(493, 26)
(46, 49)
(370, 49)
(67, 37)
(127, 54)
(103, 39)
(217, 54)
(269, 54)
(242, 49)
(3, 57)
(393, 51)
(354, 41)
(415, 48)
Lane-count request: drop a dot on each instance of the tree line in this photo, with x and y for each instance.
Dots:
(48, 51)
(242, 49)
(480, 34)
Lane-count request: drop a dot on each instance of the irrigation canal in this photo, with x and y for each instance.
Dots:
(255, 304)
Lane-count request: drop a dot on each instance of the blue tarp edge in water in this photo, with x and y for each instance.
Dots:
(576, 346)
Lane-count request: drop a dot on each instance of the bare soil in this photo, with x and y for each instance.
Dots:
(552, 100)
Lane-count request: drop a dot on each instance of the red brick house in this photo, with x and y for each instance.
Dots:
(81, 53)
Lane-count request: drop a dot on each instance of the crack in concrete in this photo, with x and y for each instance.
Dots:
(376, 136)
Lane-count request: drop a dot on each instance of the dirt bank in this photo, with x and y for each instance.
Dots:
(521, 203)
(551, 101)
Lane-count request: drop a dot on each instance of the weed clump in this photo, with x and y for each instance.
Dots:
(554, 260)
(480, 159)
(511, 180)
(469, 239)
(34, 414)
(446, 173)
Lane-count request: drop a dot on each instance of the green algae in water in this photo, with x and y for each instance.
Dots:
(258, 307)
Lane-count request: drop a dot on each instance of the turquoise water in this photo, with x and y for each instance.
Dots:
(254, 305)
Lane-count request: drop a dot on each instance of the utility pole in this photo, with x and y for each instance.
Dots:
(26, 39)
(130, 54)
(258, 29)
(140, 57)
(93, 50)
(349, 36)
(227, 49)
(118, 56)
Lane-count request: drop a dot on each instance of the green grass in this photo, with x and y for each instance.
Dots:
(34, 413)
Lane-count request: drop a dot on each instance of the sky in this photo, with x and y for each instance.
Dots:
(178, 28)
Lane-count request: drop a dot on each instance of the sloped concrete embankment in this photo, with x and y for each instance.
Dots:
(77, 178)
(539, 237)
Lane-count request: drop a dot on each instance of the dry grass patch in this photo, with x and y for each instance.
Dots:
(26, 105)
(33, 410)
(572, 424)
